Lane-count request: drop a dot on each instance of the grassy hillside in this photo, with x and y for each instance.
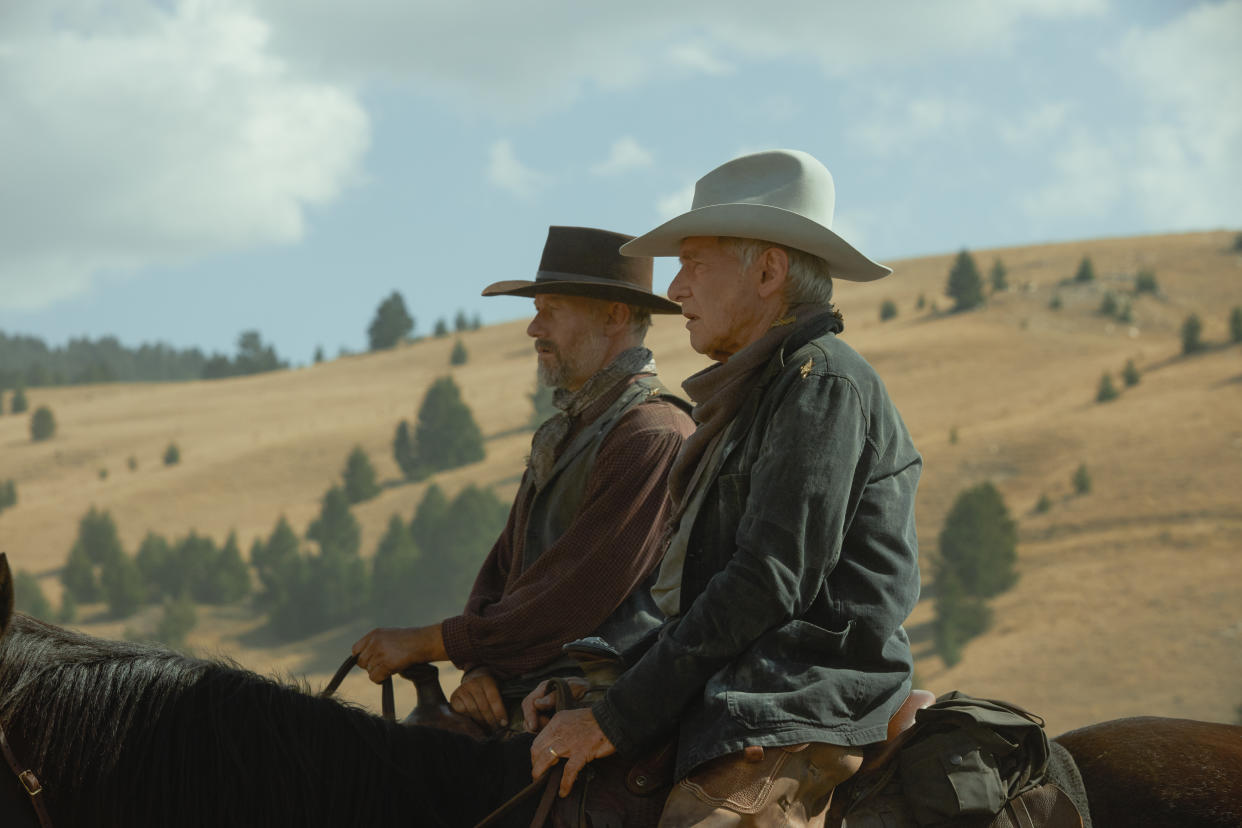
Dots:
(1130, 597)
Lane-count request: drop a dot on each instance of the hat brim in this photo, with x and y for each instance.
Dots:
(592, 290)
(760, 221)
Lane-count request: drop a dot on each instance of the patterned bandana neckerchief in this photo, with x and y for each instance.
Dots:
(547, 441)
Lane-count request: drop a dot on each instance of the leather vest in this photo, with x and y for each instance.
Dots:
(556, 505)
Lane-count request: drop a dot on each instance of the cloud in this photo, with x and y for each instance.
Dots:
(675, 203)
(508, 173)
(699, 58)
(518, 59)
(1178, 166)
(147, 136)
(626, 155)
(901, 126)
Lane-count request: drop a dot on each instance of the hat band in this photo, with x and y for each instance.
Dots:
(556, 276)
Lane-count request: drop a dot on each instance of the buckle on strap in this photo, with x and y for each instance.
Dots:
(30, 782)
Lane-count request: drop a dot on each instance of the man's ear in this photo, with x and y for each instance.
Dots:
(775, 270)
(617, 319)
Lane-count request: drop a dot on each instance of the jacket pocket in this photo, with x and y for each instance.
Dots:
(798, 673)
(947, 777)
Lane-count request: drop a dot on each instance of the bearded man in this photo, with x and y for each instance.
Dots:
(792, 556)
(584, 529)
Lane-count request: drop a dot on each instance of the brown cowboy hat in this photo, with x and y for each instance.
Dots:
(583, 261)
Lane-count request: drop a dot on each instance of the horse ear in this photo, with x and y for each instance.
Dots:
(6, 593)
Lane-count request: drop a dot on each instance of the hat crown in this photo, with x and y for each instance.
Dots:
(593, 254)
(786, 179)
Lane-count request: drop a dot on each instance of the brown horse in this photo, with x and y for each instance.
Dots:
(125, 734)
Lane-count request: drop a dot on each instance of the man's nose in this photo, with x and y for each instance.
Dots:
(535, 328)
(677, 291)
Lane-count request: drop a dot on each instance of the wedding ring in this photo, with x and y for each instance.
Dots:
(555, 755)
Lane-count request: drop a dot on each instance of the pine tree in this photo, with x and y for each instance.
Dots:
(1130, 374)
(998, 277)
(359, 477)
(1106, 390)
(391, 324)
(1108, 304)
(1086, 271)
(959, 617)
(28, 596)
(276, 563)
(1145, 282)
(1235, 324)
(458, 355)
(194, 558)
(888, 310)
(427, 526)
(1082, 480)
(318, 354)
(8, 495)
(228, 578)
(172, 455)
(394, 574)
(460, 322)
(78, 577)
(122, 586)
(1055, 302)
(979, 542)
(446, 435)
(42, 424)
(403, 450)
(18, 404)
(177, 619)
(441, 328)
(336, 530)
(965, 285)
(1192, 330)
(155, 563)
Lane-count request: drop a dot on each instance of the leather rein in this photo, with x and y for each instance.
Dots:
(28, 778)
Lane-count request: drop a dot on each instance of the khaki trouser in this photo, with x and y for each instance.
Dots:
(762, 788)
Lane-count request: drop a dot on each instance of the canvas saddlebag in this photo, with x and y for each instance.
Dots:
(966, 762)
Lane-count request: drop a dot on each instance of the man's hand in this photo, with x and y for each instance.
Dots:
(572, 735)
(540, 704)
(388, 650)
(478, 696)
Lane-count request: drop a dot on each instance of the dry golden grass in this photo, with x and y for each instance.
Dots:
(1130, 597)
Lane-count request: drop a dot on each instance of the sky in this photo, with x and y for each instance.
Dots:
(181, 171)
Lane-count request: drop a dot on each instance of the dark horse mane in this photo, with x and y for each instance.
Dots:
(132, 734)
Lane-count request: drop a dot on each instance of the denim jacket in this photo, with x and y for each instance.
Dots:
(801, 567)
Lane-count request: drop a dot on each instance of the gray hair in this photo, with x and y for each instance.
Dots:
(808, 281)
(640, 321)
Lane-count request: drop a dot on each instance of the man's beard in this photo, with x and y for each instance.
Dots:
(564, 367)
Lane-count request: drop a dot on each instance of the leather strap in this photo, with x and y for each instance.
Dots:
(387, 705)
(28, 779)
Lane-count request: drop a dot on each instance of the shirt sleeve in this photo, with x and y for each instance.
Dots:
(609, 549)
(802, 488)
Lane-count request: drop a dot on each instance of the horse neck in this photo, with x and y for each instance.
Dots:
(126, 735)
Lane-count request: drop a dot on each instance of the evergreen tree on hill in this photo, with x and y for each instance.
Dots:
(1085, 272)
(391, 324)
(965, 285)
(122, 586)
(276, 563)
(997, 276)
(78, 577)
(461, 322)
(18, 404)
(336, 530)
(979, 542)
(155, 563)
(394, 575)
(229, 578)
(446, 435)
(42, 424)
(359, 477)
(403, 450)
(29, 597)
(458, 356)
(427, 526)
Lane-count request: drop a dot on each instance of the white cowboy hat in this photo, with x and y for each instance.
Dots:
(782, 196)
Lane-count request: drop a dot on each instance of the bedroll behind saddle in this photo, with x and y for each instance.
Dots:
(965, 762)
